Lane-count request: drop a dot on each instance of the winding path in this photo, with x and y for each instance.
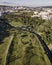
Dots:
(47, 51)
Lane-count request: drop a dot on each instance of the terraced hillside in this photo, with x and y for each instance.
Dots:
(25, 40)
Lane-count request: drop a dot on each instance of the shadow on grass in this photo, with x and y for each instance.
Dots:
(4, 29)
(28, 55)
(10, 57)
(9, 53)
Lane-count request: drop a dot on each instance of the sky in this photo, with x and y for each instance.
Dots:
(32, 3)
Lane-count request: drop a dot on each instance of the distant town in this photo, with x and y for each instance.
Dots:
(42, 12)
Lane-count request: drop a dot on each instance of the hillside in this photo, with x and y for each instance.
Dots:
(25, 40)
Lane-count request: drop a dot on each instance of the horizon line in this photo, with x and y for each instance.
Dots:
(14, 4)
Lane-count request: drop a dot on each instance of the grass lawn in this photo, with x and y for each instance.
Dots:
(23, 47)
(4, 47)
(16, 23)
(31, 53)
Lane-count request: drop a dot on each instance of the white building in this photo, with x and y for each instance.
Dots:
(21, 8)
(43, 13)
(35, 12)
(35, 16)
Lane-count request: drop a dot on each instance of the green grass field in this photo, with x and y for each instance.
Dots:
(23, 47)
(27, 51)
(4, 47)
